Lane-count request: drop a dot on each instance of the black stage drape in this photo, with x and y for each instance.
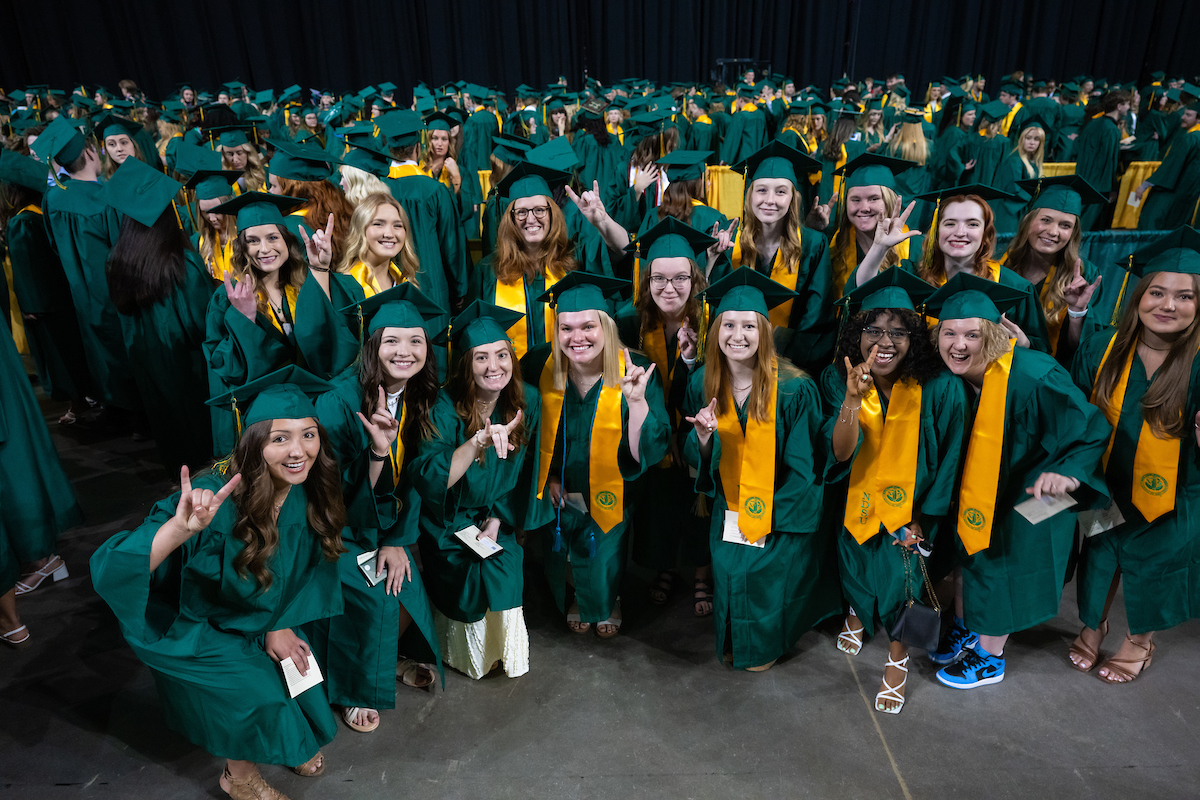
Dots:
(345, 45)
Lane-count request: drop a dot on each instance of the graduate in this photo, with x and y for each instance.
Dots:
(161, 290)
(212, 589)
(239, 155)
(215, 232)
(391, 390)
(1097, 154)
(838, 149)
(282, 308)
(954, 148)
(82, 230)
(747, 132)
(379, 253)
(685, 196)
(702, 133)
(438, 160)
(992, 146)
(363, 169)
(1176, 182)
(773, 242)
(302, 170)
(603, 425)
(474, 472)
(664, 322)
(910, 144)
(1143, 377)
(117, 135)
(885, 363)
(1023, 163)
(40, 286)
(757, 446)
(962, 241)
(1033, 434)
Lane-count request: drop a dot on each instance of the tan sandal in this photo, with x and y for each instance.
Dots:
(1083, 652)
(311, 768)
(574, 624)
(1116, 671)
(762, 667)
(350, 712)
(613, 622)
(415, 674)
(252, 788)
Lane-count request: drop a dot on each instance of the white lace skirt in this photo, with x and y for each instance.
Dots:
(472, 647)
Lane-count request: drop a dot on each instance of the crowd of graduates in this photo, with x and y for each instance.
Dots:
(470, 332)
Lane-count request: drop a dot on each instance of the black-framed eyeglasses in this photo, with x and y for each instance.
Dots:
(521, 214)
(873, 335)
(678, 281)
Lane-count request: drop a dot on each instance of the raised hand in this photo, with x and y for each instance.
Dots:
(1078, 292)
(382, 427)
(589, 204)
(859, 379)
(705, 421)
(724, 237)
(197, 507)
(818, 215)
(890, 230)
(636, 379)
(644, 178)
(1014, 330)
(241, 297)
(320, 245)
(497, 436)
(688, 339)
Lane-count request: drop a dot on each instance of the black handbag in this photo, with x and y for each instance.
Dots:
(919, 625)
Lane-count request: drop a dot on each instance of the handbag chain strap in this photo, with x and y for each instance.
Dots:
(928, 583)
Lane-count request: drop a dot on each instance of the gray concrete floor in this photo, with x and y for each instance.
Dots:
(649, 714)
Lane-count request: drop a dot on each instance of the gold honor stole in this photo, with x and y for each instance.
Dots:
(753, 481)
(637, 262)
(222, 260)
(404, 170)
(981, 469)
(513, 297)
(289, 293)
(1155, 462)
(886, 465)
(607, 506)
(366, 277)
(1054, 323)
(782, 313)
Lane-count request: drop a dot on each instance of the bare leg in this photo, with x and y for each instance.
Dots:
(892, 677)
(1092, 638)
(993, 644)
(9, 618)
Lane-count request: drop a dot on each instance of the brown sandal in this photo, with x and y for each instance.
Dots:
(1083, 652)
(311, 768)
(1115, 670)
(252, 788)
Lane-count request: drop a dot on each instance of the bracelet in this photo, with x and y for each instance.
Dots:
(854, 410)
(1073, 314)
(315, 268)
(375, 456)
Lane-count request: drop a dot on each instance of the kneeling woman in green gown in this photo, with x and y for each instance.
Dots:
(758, 447)
(1033, 434)
(897, 418)
(211, 594)
(467, 474)
(1145, 377)
(604, 423)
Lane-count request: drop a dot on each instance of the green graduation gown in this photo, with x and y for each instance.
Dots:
(873, 573)
(42, 291)
(953, 150)
(462, 585)
(768, 597)
(1097, 158)
(1049, 426)
(1173, 200)
(82, 230)
(1008, 213)
(200, 626)
(1159, 562)
(595, 558)
(745, 136)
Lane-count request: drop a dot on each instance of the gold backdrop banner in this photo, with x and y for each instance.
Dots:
(725, 191)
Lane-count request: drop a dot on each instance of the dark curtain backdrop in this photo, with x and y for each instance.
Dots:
(345, 45)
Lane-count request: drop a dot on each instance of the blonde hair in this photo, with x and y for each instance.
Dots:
(910, 143)
(357, 247)
(360, 184)
(1033, 167)
(995, 337)
(846, 236)
(210, 237)
(789, 244)
(255, 175)
(611, 371)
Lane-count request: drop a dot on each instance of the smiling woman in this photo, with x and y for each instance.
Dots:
(379, 253)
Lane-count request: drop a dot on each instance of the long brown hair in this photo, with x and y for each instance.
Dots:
(291, 273)
(789, 244)
(1166, 399)
(420, 392)
(323, 199)
(109, 167)
(1019, 254)
(465, 392)
(356, 239)
(647, 309)
(716, 370)
(556, 255)
(933, 262)
(678, 197)
(254, 499)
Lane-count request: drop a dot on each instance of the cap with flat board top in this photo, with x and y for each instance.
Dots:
(987, 193)
(140, 191)
(287, 393)
(403, 306)
(1178, 251)
(211, 184)
(870, 169)
(556, 154)
(967, 296)
(259, 208)
(61, 142)
(891, 288)
(583, 291)
(995, 110)
(22, 170)
(671, 238)
(530, 180)
(300, 162)
(401, 128)
(685, 165)
(776, 160)
(440, 122)
(365, 157)
(1065, 193)
(746, 289)
(190, 159)
(479, 323)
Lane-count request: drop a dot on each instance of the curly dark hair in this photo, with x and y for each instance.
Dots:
(921, 363)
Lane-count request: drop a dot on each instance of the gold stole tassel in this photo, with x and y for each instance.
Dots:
(781, 314)
(981, 470)
(512, 297)
(754, 481)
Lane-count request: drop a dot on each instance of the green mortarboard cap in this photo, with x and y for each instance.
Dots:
(556, 154)
(402, 306)
(368, 159)
(264, 98)
(966, 296)
(440, 122)
(121, 105)
(84, 102)
(776, 160)
(1190, 89)
(236, 86)
(1178, 251)
(1158, 76)
(284, 394)
(1065, 193)
(174, 107)
(140, 191)
(425, 105)
(480, 323)
(913, 116)
(387, 87)
(671, 238)
(289, 94)
(1070, 87)
(977, 189)
(476, 91)
(1011, 88)
(300, 162)
(530, 180)
(746, 289)
(401, 128)
(230, 135)
(870, 169)
(211, 184)
(685, 165)
(23, 171)
(994, 110)
(259, 208)
(582, 291)
(700, 100)
(525, 90)
(892, 288)
(190, 159)
(745, 90)
(61, 141)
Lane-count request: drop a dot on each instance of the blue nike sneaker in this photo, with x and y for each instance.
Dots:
(958, 639)
(977, 668)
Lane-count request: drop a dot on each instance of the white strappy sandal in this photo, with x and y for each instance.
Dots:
(17, 637)
(848, 639)
(55, 569)
(893, 692)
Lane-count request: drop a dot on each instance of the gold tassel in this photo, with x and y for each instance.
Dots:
(178, 219)
(931, 235)
(1121, 294)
